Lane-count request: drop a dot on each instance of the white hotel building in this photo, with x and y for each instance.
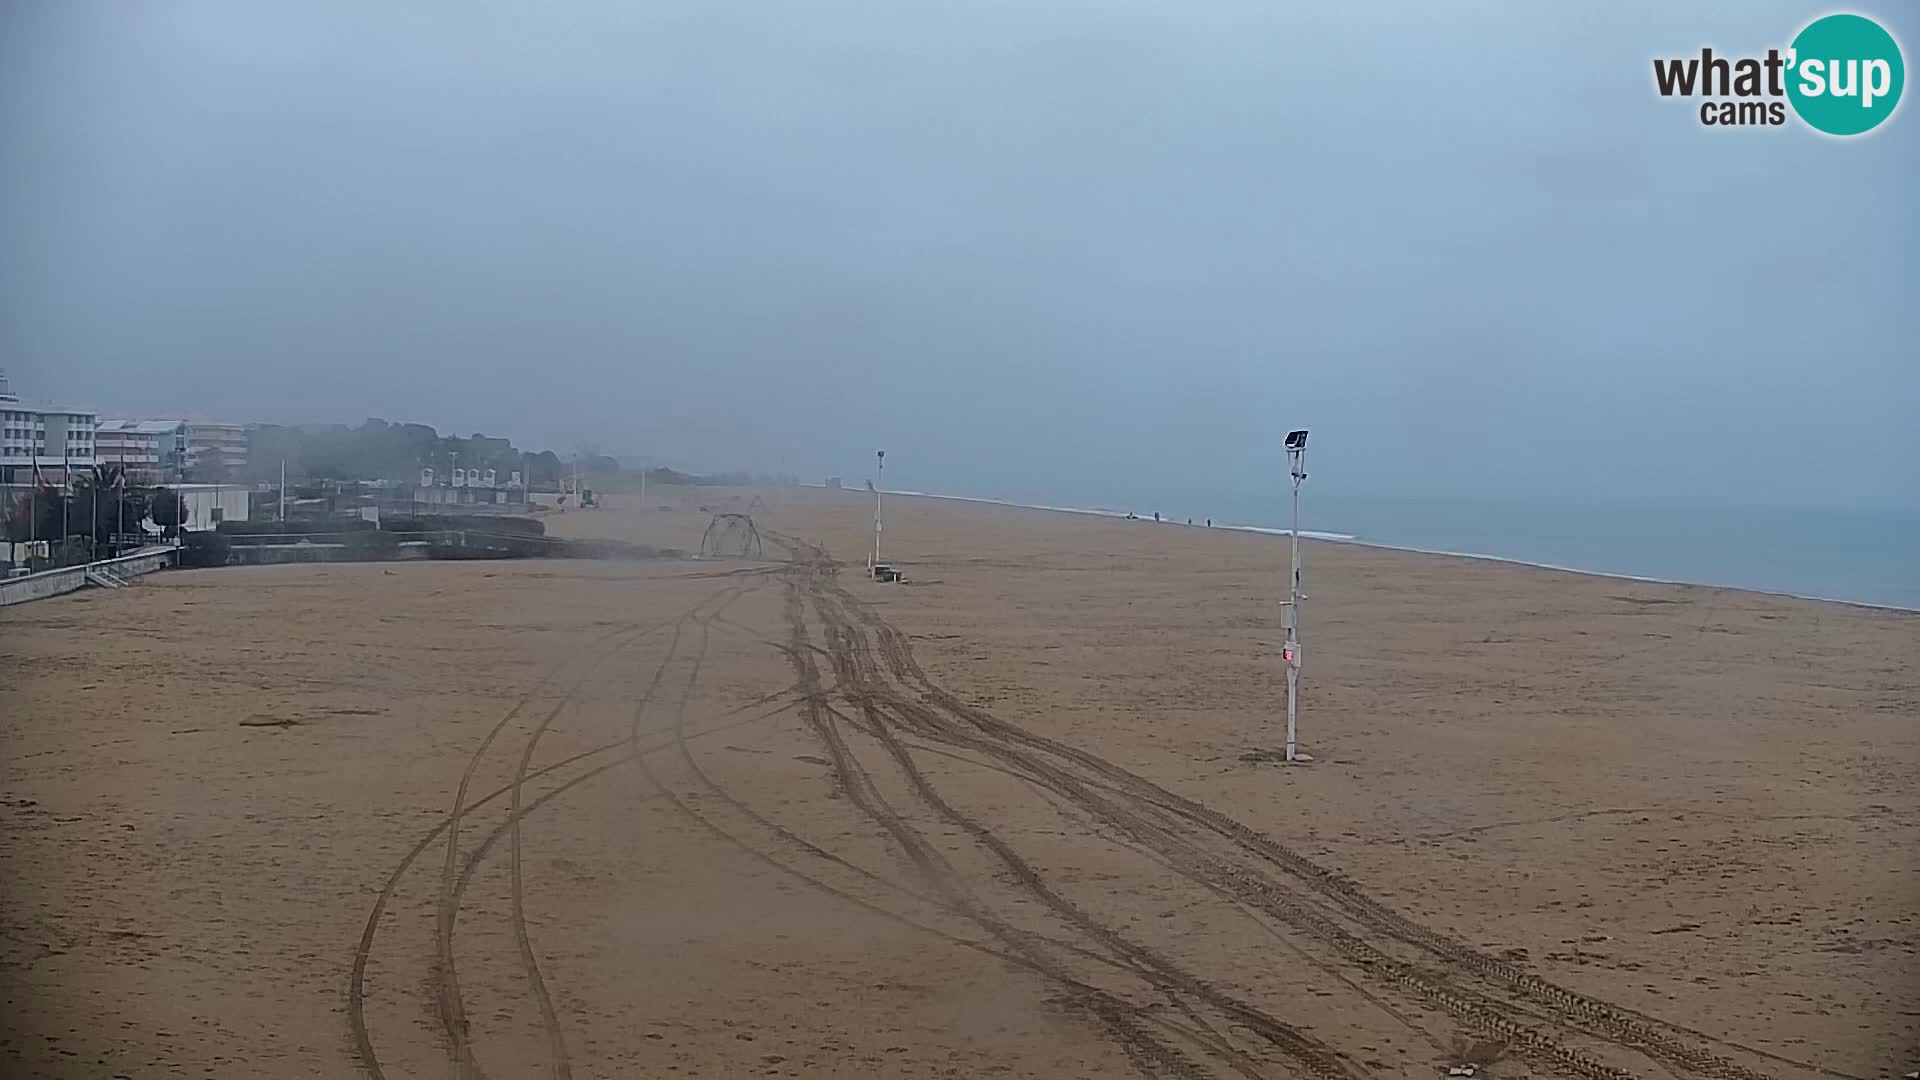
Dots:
(56, 439)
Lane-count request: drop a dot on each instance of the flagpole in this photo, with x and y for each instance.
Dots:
(66, 500)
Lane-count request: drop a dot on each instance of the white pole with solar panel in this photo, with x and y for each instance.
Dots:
(874, 566)
(1290, 608)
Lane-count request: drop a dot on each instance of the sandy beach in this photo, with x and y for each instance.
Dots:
(761, 817)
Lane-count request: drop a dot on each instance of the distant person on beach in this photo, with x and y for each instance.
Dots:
(1156, 515)
(1209, 523)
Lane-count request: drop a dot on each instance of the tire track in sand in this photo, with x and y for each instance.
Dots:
(1200, 1034)
(451, 1008)
(363, 952)
(448, 1007)
(1134, 818)
(1149, 1053)
(561, 1067)
(853, 659)
(1478, 1012)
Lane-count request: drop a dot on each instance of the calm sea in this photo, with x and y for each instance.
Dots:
(1863, 556)
(1869, 557)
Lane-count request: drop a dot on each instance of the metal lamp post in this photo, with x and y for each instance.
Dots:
(879, 482)
(1290, 611)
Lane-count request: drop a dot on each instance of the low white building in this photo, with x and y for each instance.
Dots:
(205, 506)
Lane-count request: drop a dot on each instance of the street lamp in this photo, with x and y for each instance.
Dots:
(1290, 611)
(879, 482)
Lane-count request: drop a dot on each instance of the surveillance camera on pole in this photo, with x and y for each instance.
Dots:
(1290, 608)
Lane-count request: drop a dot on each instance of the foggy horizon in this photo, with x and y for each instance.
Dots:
(1051, 250)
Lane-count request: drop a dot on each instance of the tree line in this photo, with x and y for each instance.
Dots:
(378, 450)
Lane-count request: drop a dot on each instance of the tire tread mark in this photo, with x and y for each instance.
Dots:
(1614, 1024)
(850, 648)
(452, 1018)
(1148, 1053)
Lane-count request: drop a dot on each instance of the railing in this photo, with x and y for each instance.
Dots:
(360, 537)
(69, 578)
(373, 544)
(267, 546)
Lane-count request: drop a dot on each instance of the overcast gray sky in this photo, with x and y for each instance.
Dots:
(1105, 243)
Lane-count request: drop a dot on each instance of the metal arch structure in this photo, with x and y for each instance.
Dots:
(732, 536)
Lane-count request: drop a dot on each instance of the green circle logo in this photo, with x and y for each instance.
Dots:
(1845, 74)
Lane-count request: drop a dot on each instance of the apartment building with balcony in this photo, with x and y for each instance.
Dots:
(214, 451)
(150, 451)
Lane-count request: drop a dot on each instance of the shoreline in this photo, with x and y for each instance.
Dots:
(1358, 541)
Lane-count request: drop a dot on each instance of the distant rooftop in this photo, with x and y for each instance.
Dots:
(45, 409)
(141, 427)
